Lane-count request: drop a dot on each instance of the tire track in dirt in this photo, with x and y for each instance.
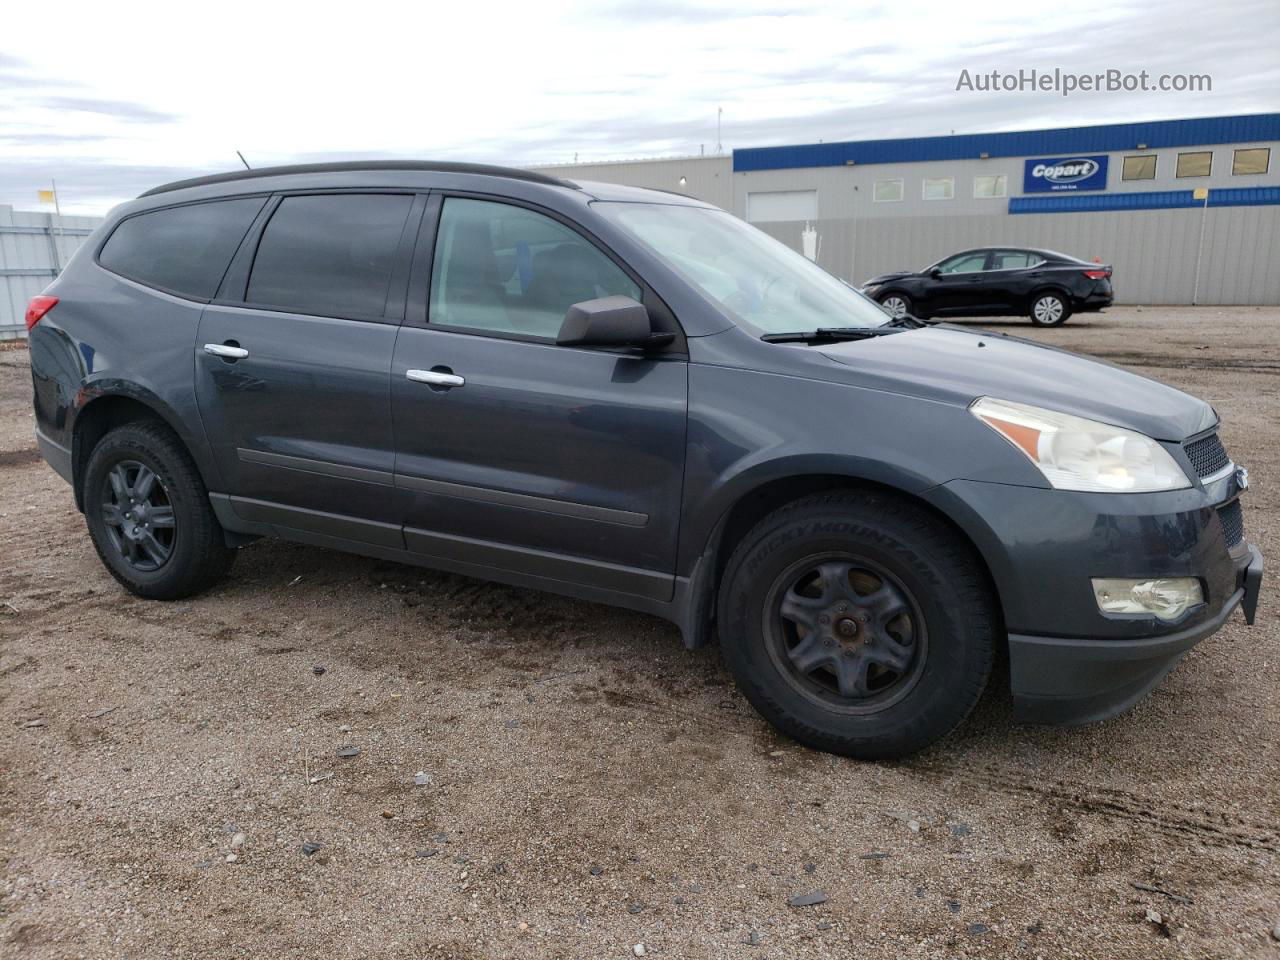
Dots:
(1207, 825)
(1210, 826)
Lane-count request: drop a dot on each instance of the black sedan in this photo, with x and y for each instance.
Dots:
(997, 281)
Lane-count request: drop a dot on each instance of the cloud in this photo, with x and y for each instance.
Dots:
(117, 109)
(606, 81)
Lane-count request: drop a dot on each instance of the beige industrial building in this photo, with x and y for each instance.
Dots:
(1187, 211)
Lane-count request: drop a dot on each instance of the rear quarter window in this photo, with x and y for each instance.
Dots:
(183, 250)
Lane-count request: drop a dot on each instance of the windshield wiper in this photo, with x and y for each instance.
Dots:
(908, 322)
(832, 334)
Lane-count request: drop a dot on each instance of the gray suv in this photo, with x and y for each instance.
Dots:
(634, 398)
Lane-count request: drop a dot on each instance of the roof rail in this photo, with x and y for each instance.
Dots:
(483, 169)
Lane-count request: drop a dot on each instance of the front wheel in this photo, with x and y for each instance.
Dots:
(149, 515)
(896, 304)
(857, 624)
(1049, 310)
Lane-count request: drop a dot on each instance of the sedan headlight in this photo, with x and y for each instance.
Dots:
(1078, 454)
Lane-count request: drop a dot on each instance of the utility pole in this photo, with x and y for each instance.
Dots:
(1200, 194)
(719, 144)
(57, 231)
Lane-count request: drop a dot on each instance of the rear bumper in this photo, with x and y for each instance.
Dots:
(1075, 680)
(56, 455)
(1095, 301)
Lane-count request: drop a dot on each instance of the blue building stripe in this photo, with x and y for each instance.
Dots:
(1108, 138)
(1151, 200)
(1244, 197)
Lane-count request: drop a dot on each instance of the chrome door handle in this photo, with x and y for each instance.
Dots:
(222, 350)
(435, 378)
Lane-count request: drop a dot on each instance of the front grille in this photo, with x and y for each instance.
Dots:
(1207, 455)
(1232, 518)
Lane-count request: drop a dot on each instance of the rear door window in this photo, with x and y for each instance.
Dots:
(329, 254)
(182, 250)
(1013, 260)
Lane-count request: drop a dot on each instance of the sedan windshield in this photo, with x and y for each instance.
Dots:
(763, 285)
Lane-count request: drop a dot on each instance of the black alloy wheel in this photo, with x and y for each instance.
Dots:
(138, 515)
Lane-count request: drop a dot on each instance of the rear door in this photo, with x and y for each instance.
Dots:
(293, 361)
(1008, 279)
(554, 463)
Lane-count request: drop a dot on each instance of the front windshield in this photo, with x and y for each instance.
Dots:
(762, 284)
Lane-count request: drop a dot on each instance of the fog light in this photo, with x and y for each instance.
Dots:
(1166, 599)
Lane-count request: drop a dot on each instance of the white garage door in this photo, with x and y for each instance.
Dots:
(782, 205)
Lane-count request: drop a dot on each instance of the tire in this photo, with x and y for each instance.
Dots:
(941, 643)
(1049, 309)
(897, 304)
(149, 516)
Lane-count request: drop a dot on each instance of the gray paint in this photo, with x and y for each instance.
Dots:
(680, 438)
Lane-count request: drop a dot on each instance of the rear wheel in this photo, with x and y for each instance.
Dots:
(1049, 309)
(896, 304)
(857, 624)
(149, 516)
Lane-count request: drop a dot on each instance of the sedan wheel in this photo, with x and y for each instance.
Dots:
(1049, 310)
(896, 305)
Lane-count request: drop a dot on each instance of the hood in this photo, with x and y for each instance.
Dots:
(958, 365)
(886, 277)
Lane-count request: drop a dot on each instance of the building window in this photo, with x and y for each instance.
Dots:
(996, 185)
(1195, 164)
(939, 188)
(1139, 167)
(887, 191)
(1250, 160)
(782, 205)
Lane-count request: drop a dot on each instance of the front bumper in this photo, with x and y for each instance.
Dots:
(1069, 663)
(1072, 681)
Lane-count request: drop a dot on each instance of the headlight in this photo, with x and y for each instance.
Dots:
(1078, 454)
(1167, 598)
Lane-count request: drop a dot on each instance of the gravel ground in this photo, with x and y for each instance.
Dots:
(589, 784)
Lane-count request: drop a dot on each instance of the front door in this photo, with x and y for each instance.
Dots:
(293, 366)
(556, 463)
(959, 287)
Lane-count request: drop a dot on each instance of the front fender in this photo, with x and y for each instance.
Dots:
(748, 428)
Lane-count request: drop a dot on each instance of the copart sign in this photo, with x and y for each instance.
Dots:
(1054, 174)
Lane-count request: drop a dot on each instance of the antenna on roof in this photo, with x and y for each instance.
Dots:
(243, 160)
(719, 115)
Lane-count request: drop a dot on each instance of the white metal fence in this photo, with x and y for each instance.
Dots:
(34, 247)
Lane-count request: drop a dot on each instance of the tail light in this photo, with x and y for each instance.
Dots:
(1097, 274)
(38, 307)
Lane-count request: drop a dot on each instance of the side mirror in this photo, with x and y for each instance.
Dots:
(606, 322)
(935, 273)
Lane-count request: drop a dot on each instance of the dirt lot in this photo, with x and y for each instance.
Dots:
(592, 785)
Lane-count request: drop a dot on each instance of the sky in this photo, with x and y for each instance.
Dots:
(111, 99)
